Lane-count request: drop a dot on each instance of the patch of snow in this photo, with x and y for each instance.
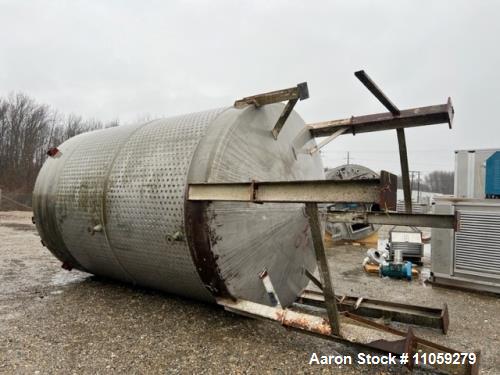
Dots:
(68, 277)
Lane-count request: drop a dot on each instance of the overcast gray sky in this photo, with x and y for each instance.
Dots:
(126, 59)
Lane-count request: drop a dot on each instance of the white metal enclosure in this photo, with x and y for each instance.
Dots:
(469, 257)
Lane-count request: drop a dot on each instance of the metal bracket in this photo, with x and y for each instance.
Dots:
(377, 92)
(292, 95)
(268, 285)
(314, 280)
(299, 92)
(403, 154)
(326, 141)
(283, 117)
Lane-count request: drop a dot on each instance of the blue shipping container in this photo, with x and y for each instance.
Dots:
(492, 186)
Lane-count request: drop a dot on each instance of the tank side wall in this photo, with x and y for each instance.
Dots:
(79, 200)
(113, 203)
(44, 203)
(145, 204)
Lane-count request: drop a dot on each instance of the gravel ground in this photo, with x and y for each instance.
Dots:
(54, 321)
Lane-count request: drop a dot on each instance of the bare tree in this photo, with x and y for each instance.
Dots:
(27, 131)
(440, 182)
(24, 125)
(437, 182)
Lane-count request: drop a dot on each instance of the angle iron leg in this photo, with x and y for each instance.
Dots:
(405, 173)
(324, 271)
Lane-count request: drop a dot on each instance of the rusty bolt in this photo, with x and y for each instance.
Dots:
(176, 236)
(53, 151)
(67, 266)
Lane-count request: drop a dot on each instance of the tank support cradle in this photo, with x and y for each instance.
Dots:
(325, 314)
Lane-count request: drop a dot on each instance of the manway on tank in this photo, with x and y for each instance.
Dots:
(221, 206)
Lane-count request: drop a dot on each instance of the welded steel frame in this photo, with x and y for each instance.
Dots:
(339, 311)
(298, 318)
(403, 152)
(381, 192)
(292, 95)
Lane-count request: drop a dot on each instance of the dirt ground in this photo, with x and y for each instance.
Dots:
(54, 321)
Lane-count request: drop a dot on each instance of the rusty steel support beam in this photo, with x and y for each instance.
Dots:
(377, 92)
(393, 218)
(324, 142)
(405, 170)
(314, 280)
(299, 92)
(283, 117)
(431, 115)
(324, 270)
(403, 153)
(287, 317)
(419, 345)
(423, 316)
(378, 190)
(292, 95)
(311, 323)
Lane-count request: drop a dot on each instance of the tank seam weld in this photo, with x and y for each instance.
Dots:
(56, 189)
(104, 195)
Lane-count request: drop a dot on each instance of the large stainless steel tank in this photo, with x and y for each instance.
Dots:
(113, 203)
